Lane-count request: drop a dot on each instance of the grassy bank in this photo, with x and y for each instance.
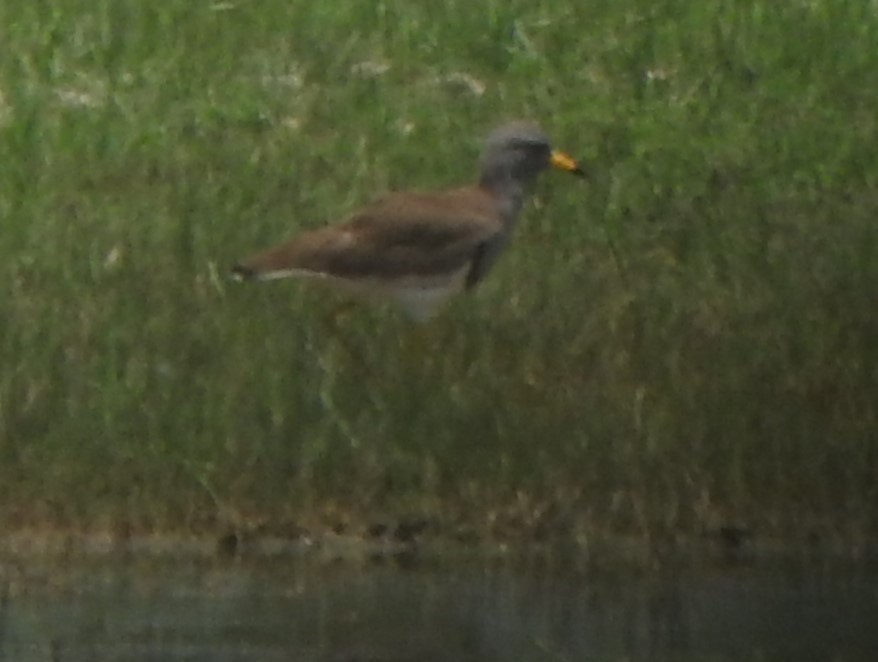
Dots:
(688, 341)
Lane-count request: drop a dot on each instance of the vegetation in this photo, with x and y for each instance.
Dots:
(688, 341)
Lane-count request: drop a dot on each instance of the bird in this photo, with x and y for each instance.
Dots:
(416, 249)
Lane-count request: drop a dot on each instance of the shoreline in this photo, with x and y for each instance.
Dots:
(720, 548)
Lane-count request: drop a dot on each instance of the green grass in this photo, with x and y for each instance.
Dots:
(688, 341)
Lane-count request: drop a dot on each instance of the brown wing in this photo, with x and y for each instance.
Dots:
(401, 234)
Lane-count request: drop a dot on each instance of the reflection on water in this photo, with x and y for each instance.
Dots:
(287, 609)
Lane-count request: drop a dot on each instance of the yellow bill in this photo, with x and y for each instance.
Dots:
(563, 161)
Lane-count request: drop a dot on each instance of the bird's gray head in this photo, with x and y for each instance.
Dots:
(515, 153)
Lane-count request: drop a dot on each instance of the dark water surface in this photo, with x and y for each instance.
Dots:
(291, 609)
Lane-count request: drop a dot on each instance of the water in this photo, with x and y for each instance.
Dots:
(287, 609)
